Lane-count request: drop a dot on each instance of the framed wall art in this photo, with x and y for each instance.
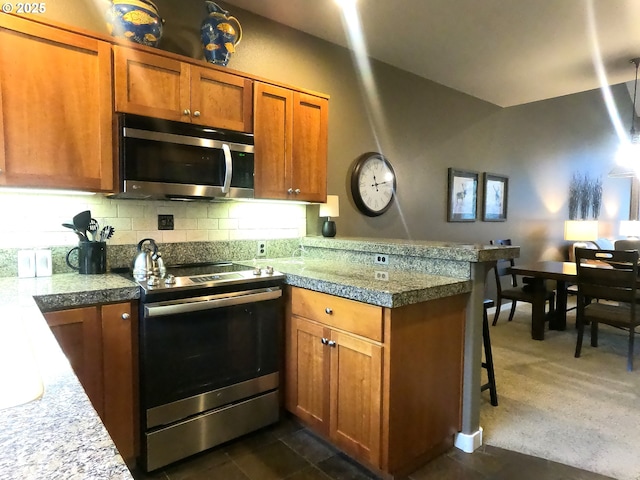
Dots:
(495, 192)
(462, 196)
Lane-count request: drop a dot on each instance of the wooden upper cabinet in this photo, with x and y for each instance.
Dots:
(162, 87)
(273, 136)
(150, 85)
(310, 135)
(56, 113)
(291, 131)
(222, 100)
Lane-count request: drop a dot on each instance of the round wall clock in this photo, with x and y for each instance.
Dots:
(373, 184)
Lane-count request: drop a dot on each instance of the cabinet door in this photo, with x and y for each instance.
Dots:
(101, 345)
(310, 130)
(356, 392)
(221, 100)
(56, 113)
(151, 85)
(118, 347)
(78, 332)
(273, 130)
(307, 373)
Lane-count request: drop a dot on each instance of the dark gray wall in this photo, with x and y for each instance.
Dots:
(423, 128)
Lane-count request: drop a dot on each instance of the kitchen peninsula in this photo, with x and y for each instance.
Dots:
(60, 432)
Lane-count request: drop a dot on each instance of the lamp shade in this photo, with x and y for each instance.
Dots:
(630, 228)
(581, 230)
(331, 208)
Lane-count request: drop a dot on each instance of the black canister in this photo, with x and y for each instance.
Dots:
(91, 256)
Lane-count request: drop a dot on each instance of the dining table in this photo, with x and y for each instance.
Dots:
(564, 274)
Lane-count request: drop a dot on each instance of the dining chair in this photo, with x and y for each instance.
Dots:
(610, 276)
(515, 294)
(626, 244)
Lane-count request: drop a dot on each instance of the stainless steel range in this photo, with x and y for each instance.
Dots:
(209, 354)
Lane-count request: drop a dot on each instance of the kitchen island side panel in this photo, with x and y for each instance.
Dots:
(424, 348)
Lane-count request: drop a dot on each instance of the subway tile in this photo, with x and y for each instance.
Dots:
(228, 224)
(174, 236)
(218, 210)
(130, 210)
(197, 235)
(143, 224)
(208, 224)
(215, 235)
(185, 223)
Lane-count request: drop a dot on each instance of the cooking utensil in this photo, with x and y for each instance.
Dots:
(81, 221)
(106, 233)
(93, 228)
(81, 236)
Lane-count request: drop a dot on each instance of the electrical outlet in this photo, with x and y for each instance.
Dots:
(262, 249)
(380, 275)
(381, 259)
(165, 222)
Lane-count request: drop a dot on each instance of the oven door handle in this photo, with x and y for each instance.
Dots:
(210, 302)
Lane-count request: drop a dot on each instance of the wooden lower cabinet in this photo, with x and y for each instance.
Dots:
(384, 385)
(100, 342)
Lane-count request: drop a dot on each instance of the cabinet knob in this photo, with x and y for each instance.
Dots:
(332, 343)
(186, 111)
(324, 341)
(297, 191)
(126, 316)
(196, 113)
(290, 191)
(328, 311)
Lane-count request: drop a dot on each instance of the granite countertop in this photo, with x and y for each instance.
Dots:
(367, 283)
(58, 435)
(466, 252)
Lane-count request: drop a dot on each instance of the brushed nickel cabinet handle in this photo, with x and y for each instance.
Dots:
(328, 311)
(290, 191)
(196, 113)
(126, 316)
(186, 111)
(332, 343)
(297, 190)
(324, 341)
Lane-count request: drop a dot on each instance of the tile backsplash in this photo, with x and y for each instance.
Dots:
(30, 220)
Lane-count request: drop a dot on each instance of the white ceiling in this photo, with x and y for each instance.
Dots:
(507, 52)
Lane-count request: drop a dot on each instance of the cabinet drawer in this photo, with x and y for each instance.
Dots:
(341, 313)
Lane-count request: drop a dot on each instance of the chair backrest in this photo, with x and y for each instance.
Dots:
(607, 274)
(501, 268)
(627, 245)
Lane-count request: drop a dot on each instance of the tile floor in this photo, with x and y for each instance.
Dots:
(288, 451)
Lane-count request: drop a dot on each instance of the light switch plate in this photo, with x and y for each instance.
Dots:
(43, 263)
(26, 263)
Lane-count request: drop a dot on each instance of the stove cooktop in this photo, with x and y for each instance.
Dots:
(208, 275)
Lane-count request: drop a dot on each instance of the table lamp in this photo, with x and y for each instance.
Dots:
(581, 231)
(630, 229)
(330, 209)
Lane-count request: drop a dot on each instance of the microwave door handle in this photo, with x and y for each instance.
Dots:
(228, 168)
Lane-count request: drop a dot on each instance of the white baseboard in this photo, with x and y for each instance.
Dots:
(468, 442)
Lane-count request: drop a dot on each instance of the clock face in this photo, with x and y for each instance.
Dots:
(373, 184)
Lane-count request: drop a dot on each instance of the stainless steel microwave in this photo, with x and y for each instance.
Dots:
(172, 160)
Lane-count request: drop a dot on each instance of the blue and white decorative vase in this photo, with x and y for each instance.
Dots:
(220, 34)
(136, 20)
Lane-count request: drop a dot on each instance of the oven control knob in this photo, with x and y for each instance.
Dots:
(268, 270)
(153, 281)
(257, 271)
(170, 279)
